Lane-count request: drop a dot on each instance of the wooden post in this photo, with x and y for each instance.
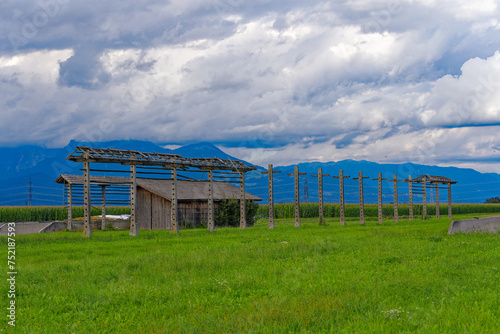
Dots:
(341, 178)
(297, 195)
(396, 207)
(133, 201)
(103, 208)
(438, 214)
(380, 215)
(270, 173)
(361, 198)
(243, 214)
(174, 226)
(424, 200)
(211, 222)
(449, 201)
(87, 223)
(410, 186)
(320, 177)
(70, 208)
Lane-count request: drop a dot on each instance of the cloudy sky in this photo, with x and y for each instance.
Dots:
(280, 81)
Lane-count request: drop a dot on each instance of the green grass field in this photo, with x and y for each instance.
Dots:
(409, 277)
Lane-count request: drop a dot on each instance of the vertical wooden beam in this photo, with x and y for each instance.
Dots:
(396, 205)
(103, 207)
(134, 231)
(243, 214)
(270, 173)
(438, 214)
(341, 178)
(87, 219)
(271, 196)
(320, 177)
(361, 199)
(211, 223)
(424, 198)
(449, 202)
(174, 226)
(320, 196)
(380, 212)
(380, 216)
(410, 186)
(297, 195)
(70, 208)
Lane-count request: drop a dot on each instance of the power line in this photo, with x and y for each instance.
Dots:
(30, 193)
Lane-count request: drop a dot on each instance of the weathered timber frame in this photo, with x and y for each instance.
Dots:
(270, 173)
(421, 184)
(173, 162)
(296, 175)
(360, 178)
(320, 177)
(396, 206)
(410, 195)
(341, 178)
(380, 213)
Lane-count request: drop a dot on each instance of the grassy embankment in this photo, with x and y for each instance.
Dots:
(391, 278)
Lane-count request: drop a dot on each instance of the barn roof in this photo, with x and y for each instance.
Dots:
(97, 180)
(432, 179)
(186, 190)
(195, 190)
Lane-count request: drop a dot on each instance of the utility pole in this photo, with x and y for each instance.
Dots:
(306, 191)
(410, 194)
(320, 177)
(380, 216)
(30, 193)
(270, 173)
(341, 178)
(361, 198)
(396, 208)
(296, 175)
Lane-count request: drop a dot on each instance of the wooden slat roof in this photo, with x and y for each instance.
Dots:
(130, 157)
(432, 179)
(186, 190)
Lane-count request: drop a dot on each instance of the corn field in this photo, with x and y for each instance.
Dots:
(311, 210)
(49, 213)
(282, 210)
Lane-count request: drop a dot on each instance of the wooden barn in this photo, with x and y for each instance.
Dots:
(154, 198)
(172, 167)
(154, 201)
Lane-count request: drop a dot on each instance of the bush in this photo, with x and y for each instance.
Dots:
(228, 212)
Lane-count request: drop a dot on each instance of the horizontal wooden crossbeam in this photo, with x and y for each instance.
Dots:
(130, 157)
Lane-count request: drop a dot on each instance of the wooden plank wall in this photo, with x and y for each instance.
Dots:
(160, 213)
(153, 212)
(143, 209)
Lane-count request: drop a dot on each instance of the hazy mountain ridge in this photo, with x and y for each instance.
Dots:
(43, 165)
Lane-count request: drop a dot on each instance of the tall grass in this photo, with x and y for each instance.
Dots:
(48, 213)
(311, 210)
(409, 277)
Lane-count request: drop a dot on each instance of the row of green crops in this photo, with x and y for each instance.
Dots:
(311, 210)
(49, 213)
(282, 210)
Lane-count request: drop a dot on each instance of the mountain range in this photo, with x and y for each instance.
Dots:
(42, 165)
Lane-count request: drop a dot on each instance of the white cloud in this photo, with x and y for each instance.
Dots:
(290, 81)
